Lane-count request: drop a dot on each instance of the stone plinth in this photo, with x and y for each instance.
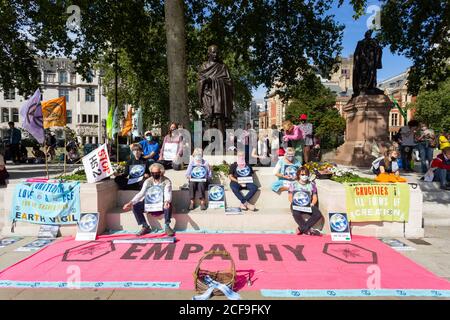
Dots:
(367, 119)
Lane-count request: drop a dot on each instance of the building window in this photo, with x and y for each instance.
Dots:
(84, 118)
(62, 77)
(394, 119)
(95, 119)
(90, 94)
(73, 78)
(15, 115)
(5, 115)
(90, 76)
(90, 118)
(69, 116)
(9, 94)
(50, 78)
(64, 93)
(78, 94)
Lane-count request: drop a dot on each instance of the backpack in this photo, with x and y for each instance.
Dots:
(376, 165)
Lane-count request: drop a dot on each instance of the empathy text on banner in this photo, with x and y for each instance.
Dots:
(97, 165)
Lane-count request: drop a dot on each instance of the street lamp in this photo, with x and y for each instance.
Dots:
(266, 116)
(101, 74)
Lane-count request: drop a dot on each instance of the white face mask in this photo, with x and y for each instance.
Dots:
(290, 158)
(198, 158)
(304, 178)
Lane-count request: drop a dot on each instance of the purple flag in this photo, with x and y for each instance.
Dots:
(31, 113)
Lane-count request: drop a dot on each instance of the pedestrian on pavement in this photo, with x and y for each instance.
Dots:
(441, 165)
(303, 199)
(155, 197)
(136, 170)
(239, 171)
(307, 132)
(294, 137)
(150, 148)
(15, 137)
(426, 142)
(198, 174)
(407, 143)
(285, 170)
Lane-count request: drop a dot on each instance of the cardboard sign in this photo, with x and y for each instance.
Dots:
(97, 165)
(301, 201)
(87, 227)
(4, 242)
(137, 172)
(35, 245)
(154, 199)
(216, 196)
(48, 231)
(170, 151)
(233, 210)
(339, 227)
(397, 244)
(244, 175)
(198, 174)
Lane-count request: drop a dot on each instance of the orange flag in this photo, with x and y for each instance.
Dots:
(128, 123)
(54, 112)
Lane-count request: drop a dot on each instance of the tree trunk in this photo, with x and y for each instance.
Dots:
(176, 61)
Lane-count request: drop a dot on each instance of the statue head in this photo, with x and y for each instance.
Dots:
(213, 53)
(368, 34)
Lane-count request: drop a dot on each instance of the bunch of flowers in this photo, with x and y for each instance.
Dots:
(119, 167)
(341, 172)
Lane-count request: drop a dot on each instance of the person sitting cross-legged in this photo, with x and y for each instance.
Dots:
(303, 198)
(155, 197)
(198, 173)
(285, 170)
(241, 171)
(136, 171)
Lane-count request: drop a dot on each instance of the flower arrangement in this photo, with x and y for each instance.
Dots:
(326, 170)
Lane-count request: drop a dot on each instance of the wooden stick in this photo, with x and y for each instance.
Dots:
(65, 152)
(46, 160)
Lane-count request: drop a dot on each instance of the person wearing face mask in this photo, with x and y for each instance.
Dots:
(307, 131)
(198, 173)
(388, 169)
(241, 171)
(136, 170)
(303, 199)
(294, 138)
(156, 191)
(285, 170)
(150, 147)
(172, 149)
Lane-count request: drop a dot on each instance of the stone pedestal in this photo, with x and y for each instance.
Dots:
(367, 119)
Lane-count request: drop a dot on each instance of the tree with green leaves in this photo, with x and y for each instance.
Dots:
(312, 98)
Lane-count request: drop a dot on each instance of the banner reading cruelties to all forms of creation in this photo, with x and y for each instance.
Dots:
(377, 202)
(46, 203)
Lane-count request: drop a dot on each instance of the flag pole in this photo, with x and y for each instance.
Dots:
(46, 160)
(65, 152)
(117, 147)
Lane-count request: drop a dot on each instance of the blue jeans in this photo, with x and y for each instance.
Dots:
(138, 210)
(442, 176)
(426, 155)
(236, 188)
(406, 155)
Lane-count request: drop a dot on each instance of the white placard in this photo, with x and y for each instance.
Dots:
(136, 174)
(216, 196)
(154, 199)
(97, 165)
(302, 209)
(245, 179)
(35, 245)
(339, 227)
(87, 227)
(170, 151)
(198, 174)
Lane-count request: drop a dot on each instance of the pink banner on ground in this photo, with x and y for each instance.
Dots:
(272, 261)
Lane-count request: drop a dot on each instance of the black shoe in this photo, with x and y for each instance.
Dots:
(169, 231)
(144, 231)
(447, 188)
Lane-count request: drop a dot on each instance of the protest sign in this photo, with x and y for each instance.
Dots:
(97, 165)
(198, 174)
(35, 245)
(396, 244)
(154, 199)
(87, 227)
(301, 201)
(170, 151)
(290, 171)
(339, 227)
(48, 231)
(244, 175)
(9, 241)
(137, 172)
(216, 196)
(233, 210)
(377, 202)
(46, 203)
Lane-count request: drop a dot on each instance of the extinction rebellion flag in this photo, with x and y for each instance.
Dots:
(31, 113)
(54, 112)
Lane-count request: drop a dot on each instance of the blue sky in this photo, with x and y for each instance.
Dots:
(354, 31)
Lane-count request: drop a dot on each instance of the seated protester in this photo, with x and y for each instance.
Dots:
(38, 155)
(285, 170)
(172, 149)
(441, 165)
(23, 153)
(155, 197)
(150, 148)
(387, 164)
(136, 171)
(72, 156)
(303, 198)
(4, 175)
(198, 174)
(239, 173)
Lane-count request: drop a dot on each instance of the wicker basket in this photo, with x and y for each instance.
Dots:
(226, 277)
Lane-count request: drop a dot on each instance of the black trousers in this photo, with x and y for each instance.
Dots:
(200, 186)
(15, 155)
(139, 210)
(303, 225)
(122, 182)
